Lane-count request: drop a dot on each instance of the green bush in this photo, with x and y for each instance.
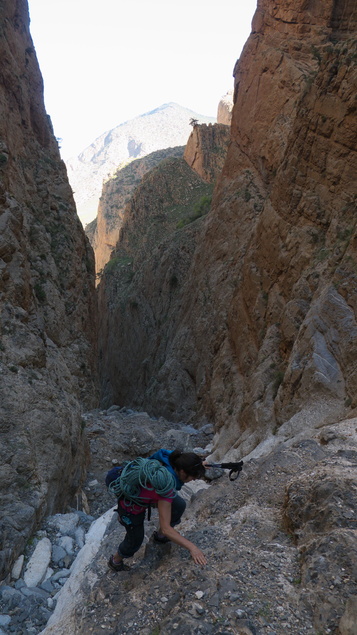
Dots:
(200, 209)
(115, 262)
(203, 205)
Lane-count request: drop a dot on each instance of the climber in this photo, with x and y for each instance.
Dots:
(176, 468)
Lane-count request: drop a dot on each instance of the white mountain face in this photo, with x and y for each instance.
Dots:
(165, 127)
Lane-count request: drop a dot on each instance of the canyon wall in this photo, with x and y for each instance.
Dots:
(278, 253)
(206, 150)
(103, 233)
(288, 345)
(141, 287)
(259, 336)
(47, 303)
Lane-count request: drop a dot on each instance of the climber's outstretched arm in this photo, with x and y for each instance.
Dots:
(164, 508)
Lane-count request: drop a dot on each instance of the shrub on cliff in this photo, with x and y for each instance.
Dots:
(200, 209)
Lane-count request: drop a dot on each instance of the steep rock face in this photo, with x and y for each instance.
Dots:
(206, 150)
(292, 319)
(143, 284)
(225, 108)
(265, 329)
(165, 127)
(47, 310)
(104, 234)
(282, 232)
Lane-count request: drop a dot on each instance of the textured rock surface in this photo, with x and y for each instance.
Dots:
(348, 621)
(103, 233)
(47, 306)
(264, 332)
(225, 107)
(264, 574)
(292, 161)
(165, 127)
(206, 150)
(27, 603)
(320, 511)
(143, 283)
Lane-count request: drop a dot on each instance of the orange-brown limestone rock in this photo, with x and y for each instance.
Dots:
(262, 334)
(47, 303)
(206, 150)
(282, 232)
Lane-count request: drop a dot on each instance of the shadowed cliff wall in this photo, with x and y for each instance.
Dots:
(47, 304)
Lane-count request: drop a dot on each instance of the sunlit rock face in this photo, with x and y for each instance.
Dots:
(225, 107)
(262, 330)
(47, 307)
(206, 150)
(143, 286)
(103, 233)
(283, 224)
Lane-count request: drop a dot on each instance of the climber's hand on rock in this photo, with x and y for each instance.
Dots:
(197, 555)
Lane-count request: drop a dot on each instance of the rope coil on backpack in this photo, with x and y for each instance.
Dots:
(142, 473)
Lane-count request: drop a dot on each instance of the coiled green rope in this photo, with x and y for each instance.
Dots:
(147, 473)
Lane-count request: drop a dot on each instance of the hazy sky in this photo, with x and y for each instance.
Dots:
(107, 61)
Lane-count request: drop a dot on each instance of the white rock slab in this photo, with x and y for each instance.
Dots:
(62, 620)
(37, 565)
(17, 568)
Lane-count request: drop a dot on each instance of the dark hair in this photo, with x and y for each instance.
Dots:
(189, 462)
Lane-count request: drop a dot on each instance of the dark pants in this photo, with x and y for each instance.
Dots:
(134, 525)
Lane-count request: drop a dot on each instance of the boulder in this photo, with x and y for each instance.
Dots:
(37, 565)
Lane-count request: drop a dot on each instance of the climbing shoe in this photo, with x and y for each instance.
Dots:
(120, 566)
(160, 538)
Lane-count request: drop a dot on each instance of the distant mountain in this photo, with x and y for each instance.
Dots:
(165, 127)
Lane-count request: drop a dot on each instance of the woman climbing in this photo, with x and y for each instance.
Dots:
(156, 482)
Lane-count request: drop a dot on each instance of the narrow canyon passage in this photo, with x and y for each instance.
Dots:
(225, 321)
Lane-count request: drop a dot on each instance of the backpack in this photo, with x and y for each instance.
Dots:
(127, 480)
(113, 474)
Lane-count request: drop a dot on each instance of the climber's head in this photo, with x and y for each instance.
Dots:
(187, 465)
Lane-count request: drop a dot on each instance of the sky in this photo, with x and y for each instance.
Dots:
(107, 61)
